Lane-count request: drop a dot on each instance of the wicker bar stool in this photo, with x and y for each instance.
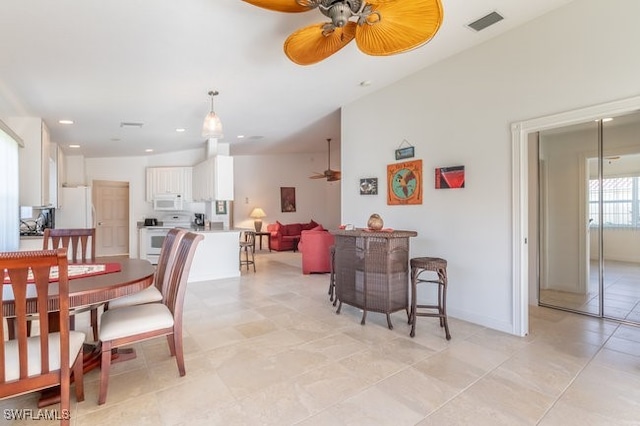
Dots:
(439, 310)
(332, 276)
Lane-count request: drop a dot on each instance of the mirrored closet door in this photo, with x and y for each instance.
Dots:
(589, 218)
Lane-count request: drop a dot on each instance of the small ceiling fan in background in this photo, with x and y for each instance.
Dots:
(381, 27)
(330, 175)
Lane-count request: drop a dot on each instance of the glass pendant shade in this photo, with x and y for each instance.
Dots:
(212, 127)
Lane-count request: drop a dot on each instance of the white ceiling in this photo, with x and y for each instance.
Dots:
(100, 63)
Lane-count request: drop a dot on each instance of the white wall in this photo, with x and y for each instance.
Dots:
(257, 184)
(458, 112)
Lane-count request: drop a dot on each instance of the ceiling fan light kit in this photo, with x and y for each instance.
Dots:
(380, 27)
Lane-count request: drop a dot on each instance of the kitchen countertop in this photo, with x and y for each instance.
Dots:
(31, 237)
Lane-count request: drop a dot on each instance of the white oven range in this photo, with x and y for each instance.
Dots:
(154, 235)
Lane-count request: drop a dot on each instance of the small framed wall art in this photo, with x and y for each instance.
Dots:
(221, 207)
(406, 152)
(288, 199)
(404, 183)
(369, 186)
(449, 177)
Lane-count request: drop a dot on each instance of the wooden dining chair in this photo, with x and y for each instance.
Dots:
(31, 363)
(81, 246)
(132, 324)
(153, 294)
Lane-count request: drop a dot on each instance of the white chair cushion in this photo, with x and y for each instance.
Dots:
(148, 295)
(132, 320)
(11, 363)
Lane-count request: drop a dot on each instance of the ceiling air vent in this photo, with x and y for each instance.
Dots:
(485, 21)
(128, 124)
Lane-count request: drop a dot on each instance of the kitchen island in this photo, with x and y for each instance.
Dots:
(216, 256)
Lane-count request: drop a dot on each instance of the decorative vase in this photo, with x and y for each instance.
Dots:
(375, 222)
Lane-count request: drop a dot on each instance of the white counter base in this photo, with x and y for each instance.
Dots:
(216, 256)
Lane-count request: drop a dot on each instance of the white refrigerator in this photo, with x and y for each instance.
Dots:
(75, 209)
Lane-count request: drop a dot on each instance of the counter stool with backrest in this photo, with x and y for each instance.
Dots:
(248, 245)
(332, 276)
(420, 265)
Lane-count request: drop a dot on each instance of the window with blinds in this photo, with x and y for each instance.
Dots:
(620, 204)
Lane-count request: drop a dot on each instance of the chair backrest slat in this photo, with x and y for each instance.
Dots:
(78, 241)
(173, 297)
(167, 255)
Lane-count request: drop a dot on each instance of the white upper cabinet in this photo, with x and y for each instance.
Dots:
(38, 183)
(169, 180)
(213, 179)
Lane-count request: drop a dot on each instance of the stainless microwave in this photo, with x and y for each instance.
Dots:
(168, 202)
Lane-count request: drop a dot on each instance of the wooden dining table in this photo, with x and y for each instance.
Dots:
(132, 276)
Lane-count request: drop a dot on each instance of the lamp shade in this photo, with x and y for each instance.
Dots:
(257, 213)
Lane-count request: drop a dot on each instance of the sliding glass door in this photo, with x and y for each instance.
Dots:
(589, 218)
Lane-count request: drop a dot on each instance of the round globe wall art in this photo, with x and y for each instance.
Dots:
(404, 183)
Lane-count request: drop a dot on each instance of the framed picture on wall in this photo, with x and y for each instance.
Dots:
(288, 199)
(221, 207)
(369, 186)
(404, 183)
(449, 177)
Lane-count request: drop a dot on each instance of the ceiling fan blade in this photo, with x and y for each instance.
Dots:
(289, 6)
(310, 45)
(317, 176)
(401, 26)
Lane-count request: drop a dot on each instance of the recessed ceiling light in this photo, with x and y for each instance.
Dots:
(365, 83)
(125, 124)
(74, 146)
(180, 130)
(606, 120)
(65, 121)
(240, 136)
(148, 150)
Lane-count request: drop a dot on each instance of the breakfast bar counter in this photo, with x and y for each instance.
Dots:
(372, 270)
(217, 256)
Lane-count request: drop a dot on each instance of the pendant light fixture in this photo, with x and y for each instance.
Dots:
(212, 127)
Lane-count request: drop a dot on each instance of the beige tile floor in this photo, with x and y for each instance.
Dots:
(621, 292)
(268, 349)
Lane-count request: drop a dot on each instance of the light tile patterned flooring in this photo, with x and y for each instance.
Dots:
(621, 292)
(268, 349)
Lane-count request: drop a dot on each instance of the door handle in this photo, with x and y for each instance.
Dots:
(99, 223)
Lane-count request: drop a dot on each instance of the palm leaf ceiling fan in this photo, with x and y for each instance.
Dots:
(381, 27)
(329, 174)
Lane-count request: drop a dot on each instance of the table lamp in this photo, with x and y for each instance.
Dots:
(257, 213)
